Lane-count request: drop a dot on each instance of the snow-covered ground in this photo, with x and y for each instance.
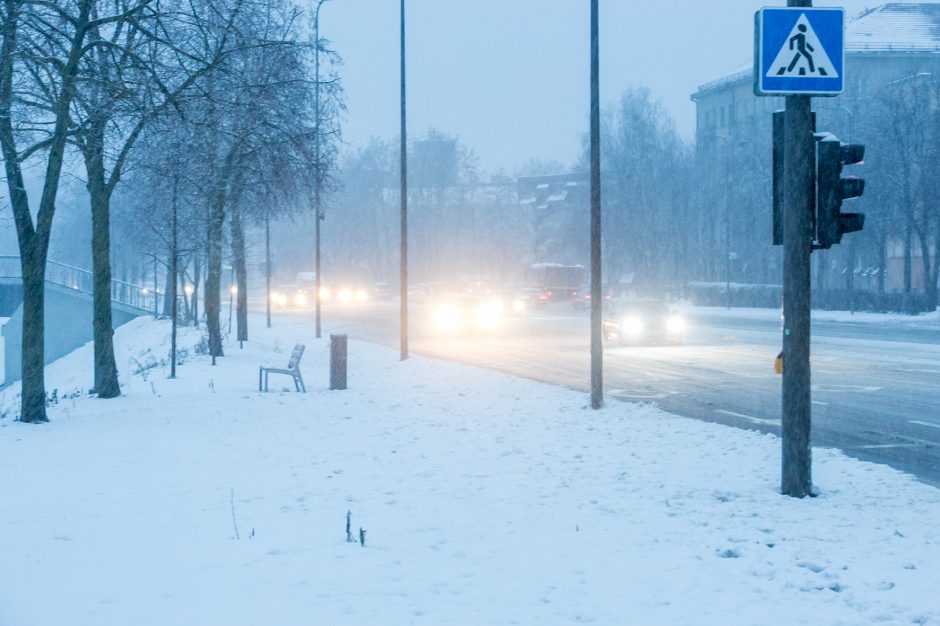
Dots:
(486, 499)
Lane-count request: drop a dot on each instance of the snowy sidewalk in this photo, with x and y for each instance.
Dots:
(486, 499)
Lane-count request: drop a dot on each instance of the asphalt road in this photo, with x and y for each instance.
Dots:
(876, 386)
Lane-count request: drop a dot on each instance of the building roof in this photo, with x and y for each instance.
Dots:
(893, 28)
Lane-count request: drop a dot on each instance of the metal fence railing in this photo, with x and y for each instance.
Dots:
(81, 280)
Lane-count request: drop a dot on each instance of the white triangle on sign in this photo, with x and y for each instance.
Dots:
(802, 55)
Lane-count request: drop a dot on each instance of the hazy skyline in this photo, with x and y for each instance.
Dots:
(511, 78)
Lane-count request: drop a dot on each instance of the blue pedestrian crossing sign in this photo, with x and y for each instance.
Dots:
(799, 50)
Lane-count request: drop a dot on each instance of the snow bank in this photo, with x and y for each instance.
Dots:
(486, 499)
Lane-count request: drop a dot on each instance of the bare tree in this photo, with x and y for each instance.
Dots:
(260, 115)
(134, 73)
(43, 47)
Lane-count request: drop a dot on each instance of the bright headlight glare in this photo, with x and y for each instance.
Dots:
(675, 324)
(489, 314)
(361, 295)
(632, 325)
(518, 306)
(447, 319)
(345, 295)
(300, 299)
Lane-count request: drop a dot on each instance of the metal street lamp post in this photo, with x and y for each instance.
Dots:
(404, 201)
(597, 300)
(317, 177)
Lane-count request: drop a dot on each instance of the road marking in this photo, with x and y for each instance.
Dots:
(914, 371)
(873, 446)
(756, 420)
(623, 393)
(930, 424)
(847, 388)
(820, 403)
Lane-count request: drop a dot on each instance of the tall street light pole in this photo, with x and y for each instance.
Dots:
(728, 226)
(404, 200)
(317, 179)
(267, 264)
(597, 300)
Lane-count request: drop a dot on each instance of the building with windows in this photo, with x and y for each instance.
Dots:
(890, 103)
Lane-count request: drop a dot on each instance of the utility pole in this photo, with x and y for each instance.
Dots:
(798, 205)
(174, 274)
(317, 179)
(404, 201)
(267, 261)
(597, 298)
(156, 286)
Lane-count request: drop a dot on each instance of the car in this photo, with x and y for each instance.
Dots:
(527, 299)
(382, 291)
(466, 314)
(642, 321)
(346, 293)
(581, 299)
(289, 296)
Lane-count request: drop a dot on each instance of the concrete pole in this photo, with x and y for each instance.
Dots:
(404, 200)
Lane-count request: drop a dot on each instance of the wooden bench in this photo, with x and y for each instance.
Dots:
(292, 370)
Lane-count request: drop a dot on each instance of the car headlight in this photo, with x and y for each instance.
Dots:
(361, 295)
(518, 306)
(675, 324)
(447, 319)
(300, 299)
(324, 294)
(632, 326)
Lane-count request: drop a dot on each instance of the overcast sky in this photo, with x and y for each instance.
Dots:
(510, 77)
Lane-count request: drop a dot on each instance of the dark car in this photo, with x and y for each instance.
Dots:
(581, 300)
(382, 291)
(642, 321)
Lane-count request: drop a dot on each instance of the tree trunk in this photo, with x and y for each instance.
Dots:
(169, 285)
(214, 275)
(33, 406)
(930, 276)
(908, 245)
(187, 309)
(241, 275)
(106, 374)
(215, 224)
(33, 238)
(197, 267)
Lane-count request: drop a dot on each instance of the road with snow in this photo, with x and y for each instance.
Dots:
(875, 384)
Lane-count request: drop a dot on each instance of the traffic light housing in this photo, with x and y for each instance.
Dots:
(778, 174)
(832, 189)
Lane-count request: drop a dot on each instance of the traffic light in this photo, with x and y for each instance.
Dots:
(832, 189)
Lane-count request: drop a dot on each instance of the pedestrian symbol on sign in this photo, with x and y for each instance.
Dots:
(799, 50)
(802, 54)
